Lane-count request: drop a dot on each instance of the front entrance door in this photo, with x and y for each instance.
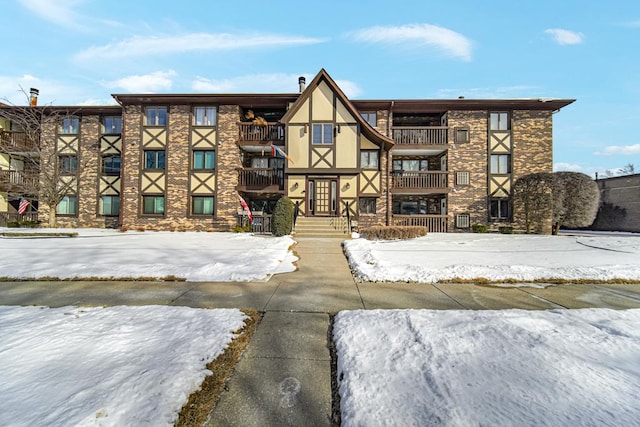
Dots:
(323, 195)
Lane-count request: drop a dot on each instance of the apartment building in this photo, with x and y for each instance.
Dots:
(179, 161)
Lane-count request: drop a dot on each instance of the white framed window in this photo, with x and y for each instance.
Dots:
(70, 125)
(322, 133)
(499, 120)
(461, 135)
(370, 117)
(369, 159)
(500, 164)
(68, 206)
(204, 116)
(110, 205)
(156, 116)
(153, 205)
(462, 178)
(112, 124)
(463, 221)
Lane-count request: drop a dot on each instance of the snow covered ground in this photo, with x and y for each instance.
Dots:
(496, 257)
(489, 368)
(210, 257)
(115, 366)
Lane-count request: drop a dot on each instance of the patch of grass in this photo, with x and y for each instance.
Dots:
(36, 234)
(170, 278)
(201, 402)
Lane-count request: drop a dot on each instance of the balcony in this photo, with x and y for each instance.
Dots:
(256, 138)
(434, 223)
(19, 181)
(419, 182)
(421, 140)
(263, 180)
(16, 142)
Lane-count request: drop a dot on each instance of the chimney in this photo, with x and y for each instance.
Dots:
(302, 83)
(33, 100)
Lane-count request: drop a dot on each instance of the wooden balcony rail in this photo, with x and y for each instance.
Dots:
(13, 217)
(419, 179)
(27, 180)
(421, 135)
(256, 178)
(434, 223)
(16, 142)
(270, 132)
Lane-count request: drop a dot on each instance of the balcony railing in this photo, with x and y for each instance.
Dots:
(19, 179)
(421, 135)
(16, 142)
(419, 180)
(434, 223)
(6, 217)
(273, 132)
(261, 179)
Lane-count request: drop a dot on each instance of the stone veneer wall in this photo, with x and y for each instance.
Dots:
(468, 157)
(47, 161)
(532, 136)
(130, 170)
(229, 160)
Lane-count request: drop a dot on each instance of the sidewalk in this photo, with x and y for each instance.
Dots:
(284, 376)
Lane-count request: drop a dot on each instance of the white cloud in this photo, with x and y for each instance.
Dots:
(571, 167)
(144, 83)
(488, 93)
(619, 149)
(61, 12)
(167, 44)
(264, 83)
(564, 37)
(15, 90)
(449, 42)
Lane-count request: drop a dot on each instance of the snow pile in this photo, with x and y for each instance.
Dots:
(210, 257)
(511, 367)
(441, 257)
(106, 366)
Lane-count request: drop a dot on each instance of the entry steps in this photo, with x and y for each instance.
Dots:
(327, 227)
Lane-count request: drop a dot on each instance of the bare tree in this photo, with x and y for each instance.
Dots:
(576, 200)
(534, 194)
(31, 142)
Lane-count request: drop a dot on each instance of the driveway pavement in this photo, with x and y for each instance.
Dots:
(284, 376)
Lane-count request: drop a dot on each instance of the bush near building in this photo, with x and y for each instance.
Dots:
(282, 219)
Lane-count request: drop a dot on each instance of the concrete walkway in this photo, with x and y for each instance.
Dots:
(284, 376)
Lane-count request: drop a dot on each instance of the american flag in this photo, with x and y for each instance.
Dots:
(244, 205)
(24, 204)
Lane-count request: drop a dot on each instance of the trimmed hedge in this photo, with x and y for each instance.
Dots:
(394, 232)
(505, 230)
(282, 218)
(480, 228)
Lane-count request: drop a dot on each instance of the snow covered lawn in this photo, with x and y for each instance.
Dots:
(210, 257)
(489, 368)
(113, 366)
(496, 257)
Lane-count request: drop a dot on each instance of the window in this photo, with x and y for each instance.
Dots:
(202, 205)
(204, 116)
(411, 165)
(68, 165)
(112, 124)
(371, 117)
(154, 159)
(204, 159)
(462, 178)
(499, 209)
(110, 205)
(70, 125)
(461, 135)
(322, 133)
(68, 206)
(369, 159)
(367, 205)
(111, 165)
(156, 116)
(499, 121)
(463, 221)
(153, 205)
(500, 163)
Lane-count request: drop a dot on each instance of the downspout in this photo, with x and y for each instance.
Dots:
(388, 195)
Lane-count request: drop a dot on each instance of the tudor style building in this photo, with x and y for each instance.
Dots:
(172, 161)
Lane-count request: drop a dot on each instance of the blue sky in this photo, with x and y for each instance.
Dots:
(81, 51)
